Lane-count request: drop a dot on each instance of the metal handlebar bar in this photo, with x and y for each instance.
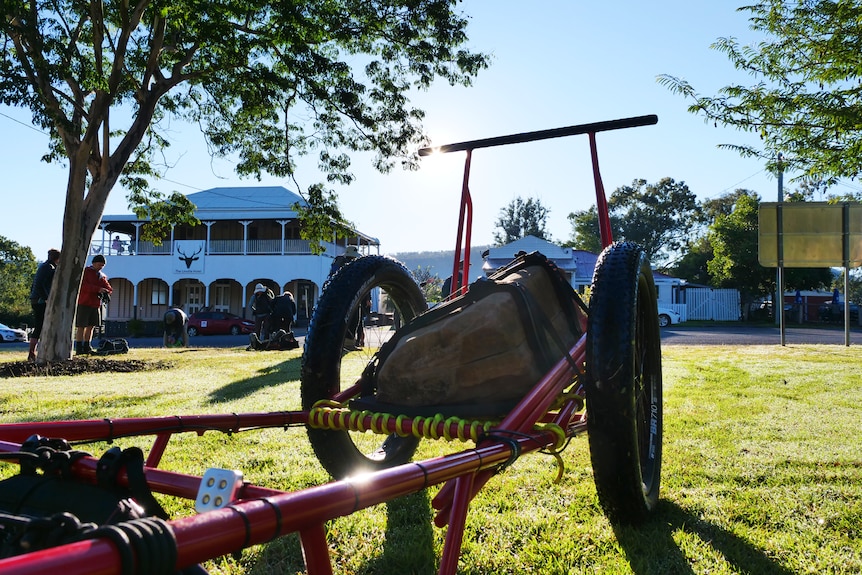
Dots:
(544, 134)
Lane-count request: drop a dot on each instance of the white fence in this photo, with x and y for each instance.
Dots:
(712, 304)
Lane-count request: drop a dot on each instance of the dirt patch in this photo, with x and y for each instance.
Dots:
(79, 366)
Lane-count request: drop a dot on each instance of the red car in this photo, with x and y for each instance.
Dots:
(218, 322)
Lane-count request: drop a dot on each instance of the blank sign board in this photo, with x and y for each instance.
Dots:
(813, 234)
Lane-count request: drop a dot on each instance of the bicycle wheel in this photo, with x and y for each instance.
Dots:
(334, 358)
(624, 384)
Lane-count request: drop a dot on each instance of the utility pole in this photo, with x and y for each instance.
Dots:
(778, 303)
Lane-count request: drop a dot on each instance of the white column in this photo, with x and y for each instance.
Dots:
(137, 233)
(245, 224)
(209, 226)
(283, 223)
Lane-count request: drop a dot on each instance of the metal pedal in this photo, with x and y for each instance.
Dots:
(218, 488)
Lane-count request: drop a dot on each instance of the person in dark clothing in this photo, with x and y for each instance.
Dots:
(283, 312)
(39, 292)
(446, 290)
(359, 329)
(176, 328)
(261, 309)
(350, 254)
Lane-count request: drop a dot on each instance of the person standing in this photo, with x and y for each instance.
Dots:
(350, 254)
(39, 292)
(88, 315)
(261, 309)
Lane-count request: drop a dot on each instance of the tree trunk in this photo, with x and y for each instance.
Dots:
(80, 220)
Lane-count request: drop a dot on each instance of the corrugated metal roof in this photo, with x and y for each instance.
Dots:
(500, 256)
(245, 199)
(231, 203)
(235, 203)
(530, 244)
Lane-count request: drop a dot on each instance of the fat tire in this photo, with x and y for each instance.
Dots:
(624, 385)
(324, 350)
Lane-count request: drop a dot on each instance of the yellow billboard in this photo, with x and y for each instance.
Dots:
(812, 234)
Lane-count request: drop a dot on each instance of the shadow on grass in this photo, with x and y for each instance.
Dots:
(409, 543)
(651, 548)
(408, 546)
(274, 375)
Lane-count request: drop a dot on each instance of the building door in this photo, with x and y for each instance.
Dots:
(194, 297)
(221, 298)
(304, 301)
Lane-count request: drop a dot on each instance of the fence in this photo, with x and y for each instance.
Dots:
(712, 304)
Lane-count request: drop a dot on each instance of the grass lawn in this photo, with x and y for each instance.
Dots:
(762, 468)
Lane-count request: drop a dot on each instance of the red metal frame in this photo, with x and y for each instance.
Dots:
(260, 514)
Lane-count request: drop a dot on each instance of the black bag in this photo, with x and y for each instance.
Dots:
(35, 507)
(112, 346)
(481, 352)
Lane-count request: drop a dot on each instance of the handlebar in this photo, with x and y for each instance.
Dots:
(544, 134)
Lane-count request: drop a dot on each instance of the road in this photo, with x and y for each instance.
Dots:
(674, 335)
(756, 335)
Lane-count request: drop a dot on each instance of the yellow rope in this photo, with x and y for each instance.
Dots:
(327, 414)
(564, 397)
(555, 450)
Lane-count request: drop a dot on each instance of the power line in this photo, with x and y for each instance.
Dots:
(742, 180)
(26, 125)
(30, 126)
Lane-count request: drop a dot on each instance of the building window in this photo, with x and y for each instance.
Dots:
(160, 294)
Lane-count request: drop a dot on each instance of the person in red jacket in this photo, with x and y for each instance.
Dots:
(94, 288)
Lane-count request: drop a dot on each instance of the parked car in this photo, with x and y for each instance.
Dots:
(218, 322)
(667, 316)
(11, 334)
(835, 312)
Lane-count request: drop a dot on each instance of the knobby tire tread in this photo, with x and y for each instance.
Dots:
(321, 360)
(623, 384)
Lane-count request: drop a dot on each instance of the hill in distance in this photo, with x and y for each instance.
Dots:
(440, 263)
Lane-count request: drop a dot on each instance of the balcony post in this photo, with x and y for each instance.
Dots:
(245, 224)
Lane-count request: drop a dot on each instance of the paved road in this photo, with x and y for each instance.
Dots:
(674, 335)
(719, 335)
(757, 335)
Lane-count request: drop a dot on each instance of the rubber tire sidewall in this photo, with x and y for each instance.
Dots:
(321, 358)
(623, 321)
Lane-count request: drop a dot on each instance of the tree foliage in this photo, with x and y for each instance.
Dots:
(430, 284)
(854, 284)
(805, 99)
(267, 82)
(521, 218)
(17, 267)
(659, 217)
(585, 230)
(694, 263)
(734, 264)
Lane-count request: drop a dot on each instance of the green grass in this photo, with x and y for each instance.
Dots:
(762, 468)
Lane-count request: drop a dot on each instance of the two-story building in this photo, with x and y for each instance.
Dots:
(247, 235)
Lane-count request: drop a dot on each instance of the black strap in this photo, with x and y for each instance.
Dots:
(133, 459)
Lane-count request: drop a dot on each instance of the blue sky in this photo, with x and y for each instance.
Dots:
(558, 63)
